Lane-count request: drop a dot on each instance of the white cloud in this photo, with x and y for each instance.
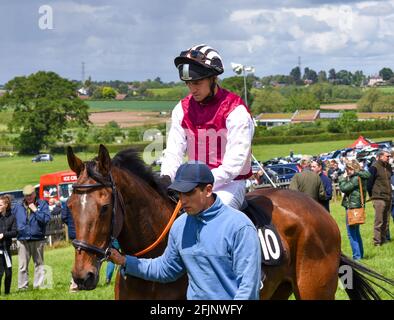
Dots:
(325, 43)
(130, 39)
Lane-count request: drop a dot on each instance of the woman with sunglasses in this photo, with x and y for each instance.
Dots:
(211, 125)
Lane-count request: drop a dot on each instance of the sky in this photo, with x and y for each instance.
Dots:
(138, 40)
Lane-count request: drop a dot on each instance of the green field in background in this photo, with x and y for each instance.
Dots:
(386, 90)
(96, 106)
(18, 171)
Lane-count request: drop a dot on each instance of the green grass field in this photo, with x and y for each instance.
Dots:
(387, 90)
(18, 171)
(97, 106)
(60, 261)
(265, 152)
(163, 92)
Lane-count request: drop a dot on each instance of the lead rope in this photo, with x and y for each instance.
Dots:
(164, 233)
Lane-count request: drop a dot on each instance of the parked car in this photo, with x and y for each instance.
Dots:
(285, 171)
(42, 157)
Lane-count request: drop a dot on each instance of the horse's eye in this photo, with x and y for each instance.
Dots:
(104, 209)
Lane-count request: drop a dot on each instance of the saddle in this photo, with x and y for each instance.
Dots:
(271, 243)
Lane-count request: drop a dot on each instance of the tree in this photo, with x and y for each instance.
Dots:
(332, 74)
(368, 100)
(295, 73)
(312, 76)
(358, 78)
(301, 99)
(386, 73)
(123, 88)
(236, 84)
(88, 82)
(348, 121)
(322, 76)
(97, 93)
(268, 100)
(44, 104)
(108, 93)
(306, 74)
(108, 134)
(344, 77)
(384, 104)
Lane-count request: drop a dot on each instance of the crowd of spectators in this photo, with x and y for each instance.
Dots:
(356, 181)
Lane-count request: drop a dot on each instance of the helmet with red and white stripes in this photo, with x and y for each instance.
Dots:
(199, 62)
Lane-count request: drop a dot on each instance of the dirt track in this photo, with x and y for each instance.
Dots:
(127, 119)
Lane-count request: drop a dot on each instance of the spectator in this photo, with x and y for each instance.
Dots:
(54, 207)
(342, 164)
(349, 184)
(334, 172)
(291, 155)
(7, 232)
(110, 265)
(308, 182)
(317, 167)
(32, 216)
(379, 190)
(68, 220)
(214, 244)
(261, 178)
(392, 206)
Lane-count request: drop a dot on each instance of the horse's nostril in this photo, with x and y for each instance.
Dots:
(89, 276)
(90, 281)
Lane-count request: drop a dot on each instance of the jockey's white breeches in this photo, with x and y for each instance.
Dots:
(232, 193)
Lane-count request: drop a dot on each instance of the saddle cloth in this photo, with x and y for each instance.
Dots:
(271, 243)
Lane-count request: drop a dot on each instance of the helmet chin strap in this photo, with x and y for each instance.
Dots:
(211, 92)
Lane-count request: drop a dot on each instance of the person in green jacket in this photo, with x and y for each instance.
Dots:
(349, 185)
(308, 182)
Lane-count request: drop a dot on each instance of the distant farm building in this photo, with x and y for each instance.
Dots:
(375, 81)
(273, 119)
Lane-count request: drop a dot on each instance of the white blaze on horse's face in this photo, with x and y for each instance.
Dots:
(83, 202)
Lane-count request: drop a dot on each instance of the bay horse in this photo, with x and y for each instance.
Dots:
(121, 198)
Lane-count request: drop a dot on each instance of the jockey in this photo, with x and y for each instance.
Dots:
(211, 125)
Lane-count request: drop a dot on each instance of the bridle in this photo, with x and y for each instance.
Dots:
(117, 213)
(117, 204)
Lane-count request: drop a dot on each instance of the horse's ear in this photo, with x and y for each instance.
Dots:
(74, 162)
(104, 161)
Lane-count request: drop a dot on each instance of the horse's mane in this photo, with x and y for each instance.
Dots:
(130, 160)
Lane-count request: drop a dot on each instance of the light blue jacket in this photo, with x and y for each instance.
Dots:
(218, 248)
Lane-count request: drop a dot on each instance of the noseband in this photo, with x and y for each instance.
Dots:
(117, 201)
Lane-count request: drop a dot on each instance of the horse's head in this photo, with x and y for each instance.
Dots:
(92, 206)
